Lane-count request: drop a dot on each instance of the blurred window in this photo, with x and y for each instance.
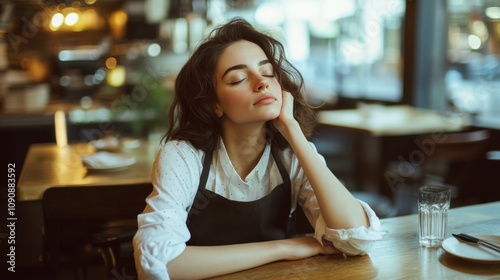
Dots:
(473, 56)
(343, 48)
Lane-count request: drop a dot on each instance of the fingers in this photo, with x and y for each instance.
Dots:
(324, 250)
(286, 105)
(287, 100)
(329, 250)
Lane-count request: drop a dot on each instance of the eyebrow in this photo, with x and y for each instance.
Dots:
(242, 66)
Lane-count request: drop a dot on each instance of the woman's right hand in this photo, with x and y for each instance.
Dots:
(304, 247)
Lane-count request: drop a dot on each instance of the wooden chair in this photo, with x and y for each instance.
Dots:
(446, 160)
(453, 157)
(85, 225)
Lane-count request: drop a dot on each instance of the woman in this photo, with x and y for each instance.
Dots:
(235, 166)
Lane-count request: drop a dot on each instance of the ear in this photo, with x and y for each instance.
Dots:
(218, 110)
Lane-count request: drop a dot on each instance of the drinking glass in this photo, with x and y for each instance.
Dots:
(433, 205)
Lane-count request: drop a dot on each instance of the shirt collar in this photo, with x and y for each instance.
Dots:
(259, 170)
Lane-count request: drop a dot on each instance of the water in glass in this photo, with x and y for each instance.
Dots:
(433, 206)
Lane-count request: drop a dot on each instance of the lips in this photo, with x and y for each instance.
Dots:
(267, 99)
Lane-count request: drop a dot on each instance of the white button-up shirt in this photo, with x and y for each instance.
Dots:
(163, 233)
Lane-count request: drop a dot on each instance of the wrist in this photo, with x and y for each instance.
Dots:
(292, 129)
(280, 249)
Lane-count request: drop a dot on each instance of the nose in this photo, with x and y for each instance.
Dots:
(261, 85)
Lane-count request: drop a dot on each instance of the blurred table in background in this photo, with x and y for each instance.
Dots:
(47, 165)
(382, 133)
(397, 120)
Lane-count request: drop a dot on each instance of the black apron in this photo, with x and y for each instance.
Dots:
(216, 220)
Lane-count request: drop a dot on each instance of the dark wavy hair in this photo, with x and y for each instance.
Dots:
(192, 115)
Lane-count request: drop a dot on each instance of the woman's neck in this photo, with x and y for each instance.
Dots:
(244, 145)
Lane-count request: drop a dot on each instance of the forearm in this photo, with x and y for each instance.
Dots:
(338, 207)
(199, 262)
(204, 262)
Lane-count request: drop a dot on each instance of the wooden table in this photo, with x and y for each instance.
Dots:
(47, 166)
(393, 120)
(381, 134)
(398, 255)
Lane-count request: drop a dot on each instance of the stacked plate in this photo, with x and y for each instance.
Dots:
(106, 161)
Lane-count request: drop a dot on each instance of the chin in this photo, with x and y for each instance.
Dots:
(272, 115)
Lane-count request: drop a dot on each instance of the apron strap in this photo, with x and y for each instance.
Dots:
(281, 167)
(206, 170)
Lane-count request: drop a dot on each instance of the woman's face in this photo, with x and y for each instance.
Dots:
(246, 87)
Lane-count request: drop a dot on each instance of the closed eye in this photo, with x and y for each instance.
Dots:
(263, 75)
(237, 82)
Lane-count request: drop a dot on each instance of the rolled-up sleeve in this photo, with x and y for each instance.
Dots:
(352, 242)
(155, 245)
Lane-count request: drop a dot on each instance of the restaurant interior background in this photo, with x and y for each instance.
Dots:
(109, 65)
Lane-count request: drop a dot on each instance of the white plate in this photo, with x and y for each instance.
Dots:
(471, 251)
(106, 161)
(106, 144)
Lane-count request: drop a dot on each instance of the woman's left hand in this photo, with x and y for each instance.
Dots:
(285, 121)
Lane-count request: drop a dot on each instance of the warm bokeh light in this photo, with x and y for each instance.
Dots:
(91, 19)
(75, 19)
(111, 63)
(117, 23)
(116, 76)
(60, 129)
(37, 69)
(71, 19)
(56, 21)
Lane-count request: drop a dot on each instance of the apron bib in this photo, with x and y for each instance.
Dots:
(216, 220)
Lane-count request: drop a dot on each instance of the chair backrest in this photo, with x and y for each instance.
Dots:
(95, 202)
(461, 146)
(453, 159)
(73, 214)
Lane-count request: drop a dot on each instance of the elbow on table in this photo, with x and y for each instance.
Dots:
(357, 247)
